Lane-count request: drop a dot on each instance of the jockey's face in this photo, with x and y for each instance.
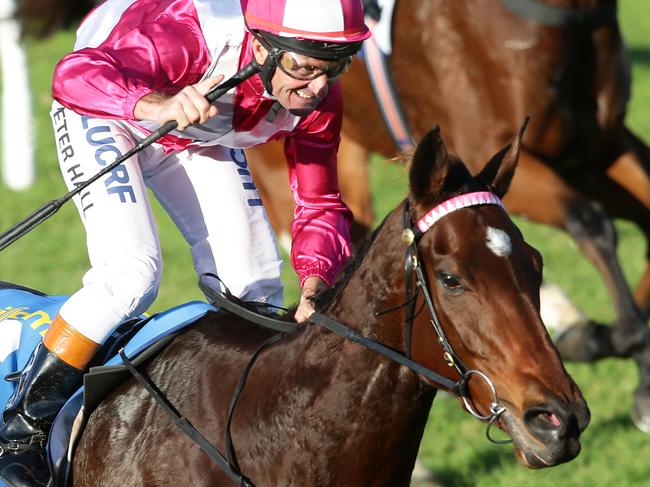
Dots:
(300, 97)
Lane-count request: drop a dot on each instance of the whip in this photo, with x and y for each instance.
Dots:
(50, 208)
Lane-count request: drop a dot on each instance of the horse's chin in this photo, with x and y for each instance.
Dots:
(533, 453)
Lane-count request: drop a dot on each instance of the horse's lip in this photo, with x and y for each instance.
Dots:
(532, 452)
(531, 459)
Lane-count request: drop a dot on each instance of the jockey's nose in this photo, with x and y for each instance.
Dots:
(319, 86)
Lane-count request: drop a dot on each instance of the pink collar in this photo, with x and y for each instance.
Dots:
(456, 203)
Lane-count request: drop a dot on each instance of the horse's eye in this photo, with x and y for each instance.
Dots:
(449, 281)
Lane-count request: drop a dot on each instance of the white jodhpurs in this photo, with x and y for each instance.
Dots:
(208, 193)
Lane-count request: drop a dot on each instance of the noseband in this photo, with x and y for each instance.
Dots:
(413, 266)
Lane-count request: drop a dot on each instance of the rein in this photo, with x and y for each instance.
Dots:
(221, 300)
(414, 274)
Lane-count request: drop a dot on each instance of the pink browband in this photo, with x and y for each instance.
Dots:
(456, 203)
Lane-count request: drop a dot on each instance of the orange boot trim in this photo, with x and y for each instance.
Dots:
(68, 344)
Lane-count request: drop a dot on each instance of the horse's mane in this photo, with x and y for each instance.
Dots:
(324, 297)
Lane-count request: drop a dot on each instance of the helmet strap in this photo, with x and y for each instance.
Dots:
(267, 70)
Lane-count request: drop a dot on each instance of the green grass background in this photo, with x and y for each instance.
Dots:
(53, 258)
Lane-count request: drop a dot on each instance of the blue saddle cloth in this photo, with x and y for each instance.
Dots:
(25, 316)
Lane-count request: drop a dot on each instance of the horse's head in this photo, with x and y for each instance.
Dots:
(484, 282)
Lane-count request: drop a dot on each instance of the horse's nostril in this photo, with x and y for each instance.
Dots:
(554, 419)
(543, 421)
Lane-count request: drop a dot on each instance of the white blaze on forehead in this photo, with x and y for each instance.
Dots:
(498, 242)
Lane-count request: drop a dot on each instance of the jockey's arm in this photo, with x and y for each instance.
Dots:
(321, 227)
(161, 55)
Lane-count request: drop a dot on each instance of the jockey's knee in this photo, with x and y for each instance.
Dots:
(131, 284)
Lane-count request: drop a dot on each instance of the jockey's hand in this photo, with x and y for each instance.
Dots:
(187, 107)
(312, 285)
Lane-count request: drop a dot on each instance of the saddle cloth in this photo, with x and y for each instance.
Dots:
(25, 316)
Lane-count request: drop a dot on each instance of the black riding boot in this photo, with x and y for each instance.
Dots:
(44, 386)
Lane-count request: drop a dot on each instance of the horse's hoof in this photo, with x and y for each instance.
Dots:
(641, 413)
(585, 342)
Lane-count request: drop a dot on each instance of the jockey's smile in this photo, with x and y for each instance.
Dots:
(301, 82)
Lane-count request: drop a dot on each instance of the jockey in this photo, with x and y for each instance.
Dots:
(136, 65)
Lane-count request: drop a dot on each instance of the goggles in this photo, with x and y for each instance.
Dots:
(306, 68)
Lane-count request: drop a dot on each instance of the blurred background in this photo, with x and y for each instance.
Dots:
(52, 258)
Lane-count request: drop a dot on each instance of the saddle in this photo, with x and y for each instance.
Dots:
(25, 314)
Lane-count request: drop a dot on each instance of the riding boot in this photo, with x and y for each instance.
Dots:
(44, 386)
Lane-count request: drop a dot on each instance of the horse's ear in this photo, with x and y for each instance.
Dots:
(429, 165)
(498, 172)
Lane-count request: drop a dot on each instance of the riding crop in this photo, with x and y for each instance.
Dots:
(50, 208)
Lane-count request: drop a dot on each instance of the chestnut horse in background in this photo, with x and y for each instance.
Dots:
(476, 67)
(314, 400)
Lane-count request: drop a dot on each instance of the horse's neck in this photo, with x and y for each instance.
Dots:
(376, 285)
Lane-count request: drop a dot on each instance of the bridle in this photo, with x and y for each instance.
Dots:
(411, 236)
(416, 282)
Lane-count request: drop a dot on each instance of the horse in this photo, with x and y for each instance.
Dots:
(313, 407)
(475, 67)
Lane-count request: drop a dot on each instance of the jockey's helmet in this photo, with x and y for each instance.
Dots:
(322, 29)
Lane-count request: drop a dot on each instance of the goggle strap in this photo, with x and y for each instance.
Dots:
(267, 71)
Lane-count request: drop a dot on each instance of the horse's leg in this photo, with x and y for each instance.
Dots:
(268, 167)
(631, 171)
(625, 190)
(545, 197)
(354, 183)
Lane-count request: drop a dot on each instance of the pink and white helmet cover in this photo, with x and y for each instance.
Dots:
(318, 20)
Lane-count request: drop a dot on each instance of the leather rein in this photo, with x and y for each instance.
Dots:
(416, 282)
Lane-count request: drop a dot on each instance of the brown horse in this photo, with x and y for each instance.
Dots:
(475, 67)
(314, 400)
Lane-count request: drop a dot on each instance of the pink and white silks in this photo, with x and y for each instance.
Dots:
(126, 49)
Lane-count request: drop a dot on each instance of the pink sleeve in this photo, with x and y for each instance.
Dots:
(321, 226)
(161, 49)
